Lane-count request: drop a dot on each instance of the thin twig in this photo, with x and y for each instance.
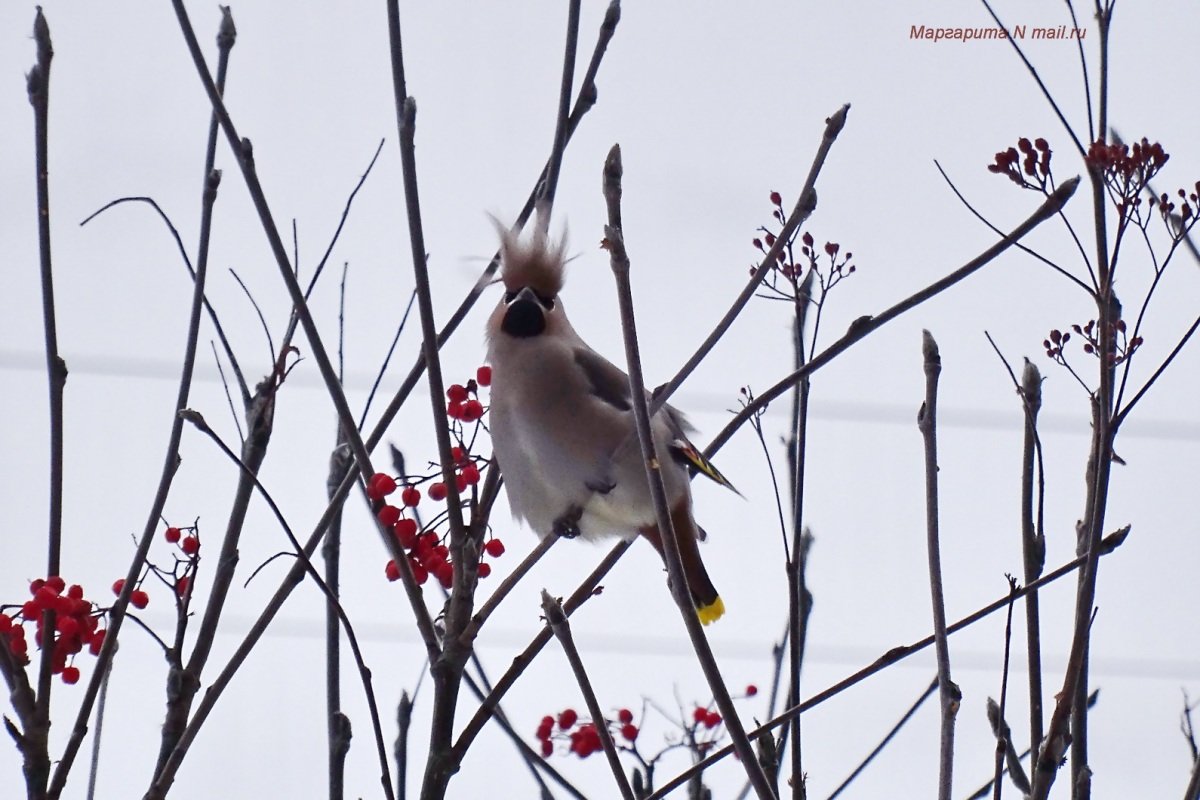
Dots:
(312, 572)
(949, 692)
(1002, 731)
(243, 387)
(1028, 250)
(891, 734)
(1010, 760)
(561, 629)
(619, 259)
(447, 668)
(506, 586)
(98, 736)
(806, 203)
(1033, 543)
(893, 656)
(117, 612)
(561, 117)
(488, 707)
(1038, 79)
(799, 597)
(36, 754)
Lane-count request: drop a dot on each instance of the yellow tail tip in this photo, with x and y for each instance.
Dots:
(711, 612)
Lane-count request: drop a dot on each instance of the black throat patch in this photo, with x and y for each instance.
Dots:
(524, 319)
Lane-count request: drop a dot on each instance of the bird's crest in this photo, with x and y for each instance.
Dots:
(536, 262)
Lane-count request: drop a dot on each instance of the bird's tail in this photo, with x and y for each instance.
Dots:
(709, 606)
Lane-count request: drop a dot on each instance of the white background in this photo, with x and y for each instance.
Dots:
(715, 105)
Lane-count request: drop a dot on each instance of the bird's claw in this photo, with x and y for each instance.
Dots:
(567, 526)
(602, 486)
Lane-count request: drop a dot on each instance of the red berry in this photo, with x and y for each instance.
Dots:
(96, 642)
(567, 718)
(437, 492)
(494, 548)
(70, 674)
(392, 571)
(625, 715)
(712, 719)
(171, 535)
(629, 731)
(56, 584)
(483, 376)
(420, 574)
(547, 748)
(35, 585)
(461, 483)
(139, 598)
(190, 545)
(380, 486)
(406, 532)
(118, 585)
(5, 623)
(485, 569)
(31, 610)
(751, 690)
(454, 410)
(67, 626)
(75, 591)
(389, 515)
(445, 574)
(699, 714)
(457, 393)
(410, 496)
(472, 410)
(181, 586)
(470, 474)
(776, 199)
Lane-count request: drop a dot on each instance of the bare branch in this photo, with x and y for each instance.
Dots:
(614, 236)
(950, 694)
(561, 629)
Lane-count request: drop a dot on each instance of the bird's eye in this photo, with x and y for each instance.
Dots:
(545, 302)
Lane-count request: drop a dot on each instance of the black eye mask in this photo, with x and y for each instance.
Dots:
(545, 302)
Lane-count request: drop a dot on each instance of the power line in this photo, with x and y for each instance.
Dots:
(696, 401)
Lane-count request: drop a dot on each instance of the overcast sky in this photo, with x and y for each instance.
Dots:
(715, 106)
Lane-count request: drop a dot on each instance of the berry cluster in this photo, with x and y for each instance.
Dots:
(1124, 166)
(1034, 159)
(1122, 347)
(427, 555)
(76, 624)
(463, 400)
(1188, 211)
(583, 736)
(187, 540)
(1127, 172)
(795, 271)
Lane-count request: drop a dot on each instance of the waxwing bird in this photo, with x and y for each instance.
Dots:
(563, 429)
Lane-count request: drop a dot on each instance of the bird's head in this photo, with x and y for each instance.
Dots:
(532, 274)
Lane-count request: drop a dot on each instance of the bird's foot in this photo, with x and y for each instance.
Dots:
(602, 486)
(567, 526)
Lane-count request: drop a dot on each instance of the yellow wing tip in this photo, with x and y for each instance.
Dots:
(711, 612)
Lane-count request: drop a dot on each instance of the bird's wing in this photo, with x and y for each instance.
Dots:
(611, 385)
(606, 380)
